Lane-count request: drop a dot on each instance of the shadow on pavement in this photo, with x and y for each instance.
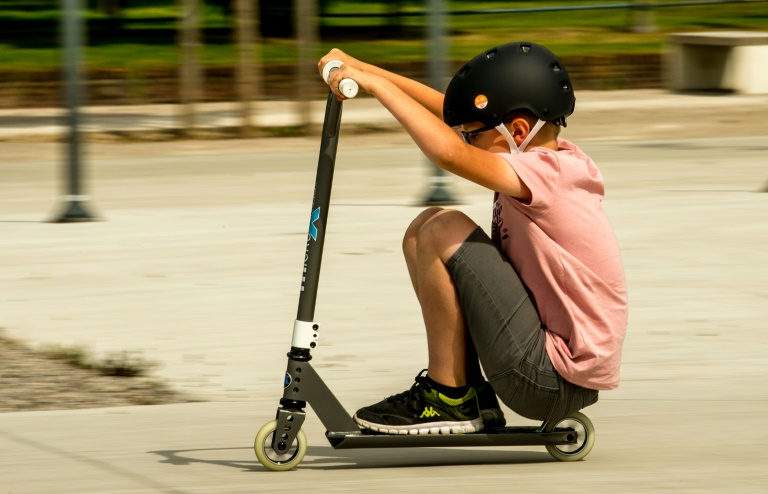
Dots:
(326, 458)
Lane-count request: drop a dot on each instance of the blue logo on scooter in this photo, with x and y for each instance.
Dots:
(312, 227)
(287, 380)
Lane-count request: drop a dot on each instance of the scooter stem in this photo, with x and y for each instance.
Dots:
(319, 212)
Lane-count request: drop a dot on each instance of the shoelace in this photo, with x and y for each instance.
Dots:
(411, 398)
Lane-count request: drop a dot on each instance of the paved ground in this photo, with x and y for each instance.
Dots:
(196, 263)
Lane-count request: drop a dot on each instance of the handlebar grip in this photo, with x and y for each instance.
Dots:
(348, 87)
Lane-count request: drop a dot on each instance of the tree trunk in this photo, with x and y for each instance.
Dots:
(643, 21)
(190, 75)
(307, 30)
(249, 85)
(109, 7)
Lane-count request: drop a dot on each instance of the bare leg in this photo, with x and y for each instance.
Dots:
(409, 243)
(431, 240)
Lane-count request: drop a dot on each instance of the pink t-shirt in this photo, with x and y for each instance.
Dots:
(565, 251)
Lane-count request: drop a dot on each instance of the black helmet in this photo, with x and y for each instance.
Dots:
(514, 76)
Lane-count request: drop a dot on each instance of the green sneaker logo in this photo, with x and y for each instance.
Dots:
(429, 412)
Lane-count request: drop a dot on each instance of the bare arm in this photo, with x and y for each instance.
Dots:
(429, 98)
(436, 140)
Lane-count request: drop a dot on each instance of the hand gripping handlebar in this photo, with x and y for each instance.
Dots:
(348, 87)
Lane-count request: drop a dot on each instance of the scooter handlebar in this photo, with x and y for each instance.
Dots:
(348, 87)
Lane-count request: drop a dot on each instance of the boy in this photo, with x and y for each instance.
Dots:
(543, 303)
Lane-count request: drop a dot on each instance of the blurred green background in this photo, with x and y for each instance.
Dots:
(136, 41)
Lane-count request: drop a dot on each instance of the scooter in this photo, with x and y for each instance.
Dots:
(281, 443)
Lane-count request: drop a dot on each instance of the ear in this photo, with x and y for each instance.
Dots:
(519, 128)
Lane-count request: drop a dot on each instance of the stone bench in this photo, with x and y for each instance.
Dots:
(721, 60)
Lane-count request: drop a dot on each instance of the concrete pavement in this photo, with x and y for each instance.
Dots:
(196, 263)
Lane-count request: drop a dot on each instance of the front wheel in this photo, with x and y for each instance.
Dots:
(276, 460)
(585, 437)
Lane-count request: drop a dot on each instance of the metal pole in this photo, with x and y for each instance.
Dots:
(72, 27)
(438, 182)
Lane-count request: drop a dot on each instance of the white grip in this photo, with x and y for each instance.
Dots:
(348, 87)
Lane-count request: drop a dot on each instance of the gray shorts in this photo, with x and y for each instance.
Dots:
(507, 334)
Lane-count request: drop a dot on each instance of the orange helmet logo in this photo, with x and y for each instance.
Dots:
(481, 101)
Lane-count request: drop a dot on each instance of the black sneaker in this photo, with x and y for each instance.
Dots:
(422, 410)
(490, 410)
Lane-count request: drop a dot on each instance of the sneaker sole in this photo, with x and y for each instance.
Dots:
(465, 427)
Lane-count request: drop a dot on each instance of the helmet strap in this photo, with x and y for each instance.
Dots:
(513, 149)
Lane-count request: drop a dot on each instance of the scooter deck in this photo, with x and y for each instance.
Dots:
(506, 436)
(344, 433)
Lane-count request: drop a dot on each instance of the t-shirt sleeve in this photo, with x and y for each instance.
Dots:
(540, 171)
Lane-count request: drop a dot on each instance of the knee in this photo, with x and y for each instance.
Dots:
(412, 232)
(444, 232)
(436, 225)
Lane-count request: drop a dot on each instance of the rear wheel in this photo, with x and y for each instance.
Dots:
(287, 457)
(585, 437)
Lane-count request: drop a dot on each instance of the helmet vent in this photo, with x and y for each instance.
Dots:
(565, 87)
(464, 71)
(490, 54)
(556, 68)
(526, 49)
